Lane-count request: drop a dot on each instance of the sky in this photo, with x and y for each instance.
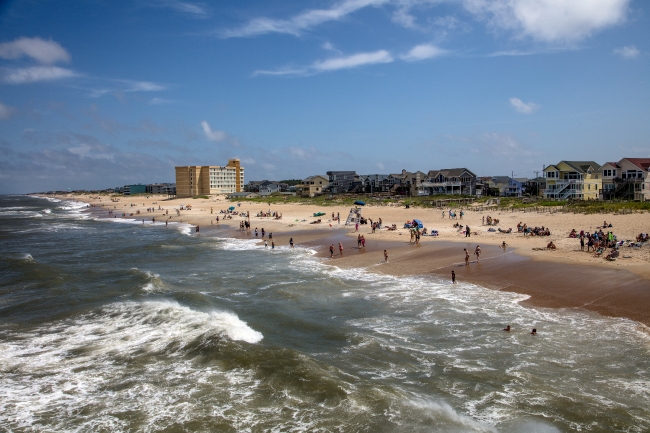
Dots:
(101, 93)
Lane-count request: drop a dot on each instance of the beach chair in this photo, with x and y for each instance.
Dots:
(599, 252)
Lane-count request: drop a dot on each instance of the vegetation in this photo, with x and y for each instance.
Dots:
(201, 196)
(505, 203)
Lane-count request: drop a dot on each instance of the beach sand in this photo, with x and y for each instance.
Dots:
(563, 278)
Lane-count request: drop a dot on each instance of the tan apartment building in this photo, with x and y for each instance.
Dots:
(193, 180)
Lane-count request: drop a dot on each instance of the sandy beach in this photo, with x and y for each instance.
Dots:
(563, 278)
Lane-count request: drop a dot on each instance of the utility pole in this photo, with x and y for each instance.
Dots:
(537, 181)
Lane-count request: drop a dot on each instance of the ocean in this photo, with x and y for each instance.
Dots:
(115, 325)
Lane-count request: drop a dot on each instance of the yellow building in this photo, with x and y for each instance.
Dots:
(193, 180)
(580, 180)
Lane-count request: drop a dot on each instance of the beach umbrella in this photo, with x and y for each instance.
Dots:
(419, 223)
(360, 203)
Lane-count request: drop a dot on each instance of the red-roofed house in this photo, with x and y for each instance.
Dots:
(630, 179)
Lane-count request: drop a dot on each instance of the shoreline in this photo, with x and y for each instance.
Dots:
(550, 280)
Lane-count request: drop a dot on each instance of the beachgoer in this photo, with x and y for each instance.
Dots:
(266, 245)
(453, 277)
(467, 232)
(272, 245)
(291, 242)
(507, 328)
(385, 256)
(503, 245)
(359, 242)
(363, 241)
(332, 251)
(461, 214)
(356, 227)
(477, 251)
(340, 248)
(197, 228)
(582, 243)
(533, 332)
(483, 223)
(466, 256)
(255, 231)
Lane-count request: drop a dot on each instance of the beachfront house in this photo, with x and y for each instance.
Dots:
(449, 181)
(507, 186)
(267, 188)
(374, 183)
(193, 180)
(406, 182)
(312, 186)
(535, 186)
(581, 180)
(627, 179)
(340, 181)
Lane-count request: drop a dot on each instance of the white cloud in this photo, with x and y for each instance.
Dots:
(550, 20)
(522, 107)
(380, 166)
(303, 21)
(505, 145)
(268, 166)
(353, 61)
(5, 111)
(216, 136)
(191, 9)
(629, 52)
(422, 52)
(247, 160)
(160, 101)
(47, 52)
(37, 73)
(92, 151)
(334, 64)
(142, 86)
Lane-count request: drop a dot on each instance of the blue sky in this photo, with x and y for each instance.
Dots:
(95, 94)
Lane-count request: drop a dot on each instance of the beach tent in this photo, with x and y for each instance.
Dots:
(317, 214)
(419, 223)
(231, 208)
(360, 203)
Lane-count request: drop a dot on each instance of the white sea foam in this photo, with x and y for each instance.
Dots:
(75, 365)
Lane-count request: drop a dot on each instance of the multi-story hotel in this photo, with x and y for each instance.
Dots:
(192, 180)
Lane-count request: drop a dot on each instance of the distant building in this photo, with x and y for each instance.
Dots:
(373, 183)
(627, 179)
(507, 186)
(580, 180)
(312, 186)
(161, 188)
(406, 182)
(269, 188)
(450, 181)
(340, 181)
(195, 180)
(134, 189)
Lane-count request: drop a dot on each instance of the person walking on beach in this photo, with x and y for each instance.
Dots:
(356, 227)
(363, 242)
(453, 277)
(291, 242)
(338, 217)
(483, 223)
(466, 256)
(332, 251)
(255, 231)
(461, 214)
(385, 256)
(266, 245)
(272, 245)
(477, 252)
(467, 232)
(359, 242)
(341, 249)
